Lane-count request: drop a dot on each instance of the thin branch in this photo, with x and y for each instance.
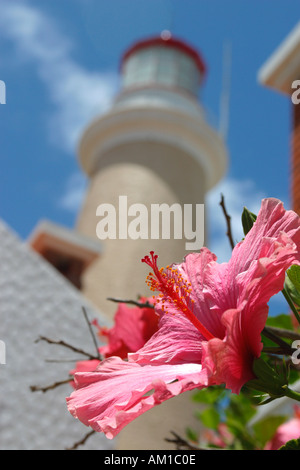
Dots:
(82, 441)
(35, 388)
(273, 337)
(291, 304)
(60, 361)
(66, 345)
(228, 222)
(92, 334)
(274, 351)
(283, 333)
(180, 442)
(132, 302)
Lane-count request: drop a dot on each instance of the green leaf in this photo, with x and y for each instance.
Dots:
(268, 379)
(240, 407)
(210, 418)
(235, 426)
(248, 219)
(192, 435)
(209, 396)
(294, 444)
(292, 283)
(264, 429)
(294, 275)
(243, 438)
(283, 321)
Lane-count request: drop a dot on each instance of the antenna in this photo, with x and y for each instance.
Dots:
(170, 19)
(225, 93)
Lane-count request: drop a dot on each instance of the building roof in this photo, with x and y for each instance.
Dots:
(47, 233)
(38, 301)
(69, 251)
(167, 40)
(283, 66)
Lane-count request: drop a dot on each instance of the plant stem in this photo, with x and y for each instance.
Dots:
(291, 393)
(291, 304)
(92, 333)
(228, 222)
(283, 333)
(280, 342)
(132, 302)
(66, 345)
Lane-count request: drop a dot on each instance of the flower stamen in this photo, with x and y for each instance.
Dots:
(173, 288)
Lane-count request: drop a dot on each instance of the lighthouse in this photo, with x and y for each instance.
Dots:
(150, 160)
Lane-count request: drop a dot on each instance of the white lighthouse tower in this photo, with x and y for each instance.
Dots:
(154, 147)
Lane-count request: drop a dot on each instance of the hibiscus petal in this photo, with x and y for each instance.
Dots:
(218, 286)
(206, 279)
(118, 392)
(84, 366)
(231, 357)
(232, 297)
(176, 342)
(265, 276)
(271, 221)
(230, 360)
(132, 328)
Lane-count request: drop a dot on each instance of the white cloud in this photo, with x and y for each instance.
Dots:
(75, 189)
(237, 195)
(77, 93)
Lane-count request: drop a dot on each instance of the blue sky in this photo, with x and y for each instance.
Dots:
(60, 63)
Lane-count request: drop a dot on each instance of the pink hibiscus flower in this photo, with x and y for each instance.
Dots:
(286, 432)
(84, 366)
(211, 318)
(133, 327)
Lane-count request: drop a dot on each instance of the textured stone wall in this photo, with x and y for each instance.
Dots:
(146, 173)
